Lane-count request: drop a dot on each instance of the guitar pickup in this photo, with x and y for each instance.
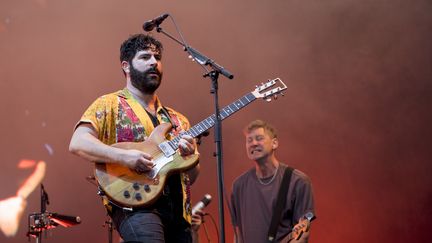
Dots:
(166, 149)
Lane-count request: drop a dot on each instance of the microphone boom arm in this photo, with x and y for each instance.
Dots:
(199, 57)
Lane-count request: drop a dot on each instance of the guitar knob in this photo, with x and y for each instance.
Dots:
(136, 186)
(126, 194)
(138, 197)
(146, 188)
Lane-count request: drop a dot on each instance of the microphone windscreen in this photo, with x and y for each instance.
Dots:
(202, 204)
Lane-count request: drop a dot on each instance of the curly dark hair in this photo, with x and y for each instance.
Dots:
(138, 42)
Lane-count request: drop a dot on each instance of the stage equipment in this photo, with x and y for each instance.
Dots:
(216, 69)
(42, 221)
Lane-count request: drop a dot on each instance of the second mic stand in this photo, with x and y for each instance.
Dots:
(214, 75)
(38, 222)
(108, 223)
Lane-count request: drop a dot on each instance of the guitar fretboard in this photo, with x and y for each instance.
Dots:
(210, 121)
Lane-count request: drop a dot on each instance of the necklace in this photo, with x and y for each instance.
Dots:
(270, 181)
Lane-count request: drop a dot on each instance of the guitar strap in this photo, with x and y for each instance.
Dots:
(156, 122)
(165, 111)
(280, 203)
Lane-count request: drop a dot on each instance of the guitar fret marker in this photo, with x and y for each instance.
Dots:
(206, 126)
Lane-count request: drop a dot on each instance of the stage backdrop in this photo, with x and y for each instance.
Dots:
(356, 116)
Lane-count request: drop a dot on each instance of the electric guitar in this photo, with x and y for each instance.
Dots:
(126, 188)
(300, 228)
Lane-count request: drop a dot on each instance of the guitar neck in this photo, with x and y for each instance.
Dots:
(210, 121)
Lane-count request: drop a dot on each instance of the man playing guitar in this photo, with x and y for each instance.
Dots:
(108, 134)
(255, 193)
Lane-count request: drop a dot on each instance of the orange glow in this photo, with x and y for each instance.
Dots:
(11, 210)
(26, 163)
(33, 180)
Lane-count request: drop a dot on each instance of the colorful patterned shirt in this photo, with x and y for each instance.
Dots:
(118, 117)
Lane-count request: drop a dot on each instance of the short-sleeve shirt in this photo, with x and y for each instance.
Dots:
(253, 204)
(118, 117)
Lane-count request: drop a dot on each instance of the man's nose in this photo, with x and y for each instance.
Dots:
(153, 61)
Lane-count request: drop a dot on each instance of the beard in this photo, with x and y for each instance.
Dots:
(148, 81)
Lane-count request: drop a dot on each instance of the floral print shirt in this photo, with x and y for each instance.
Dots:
(118, 117)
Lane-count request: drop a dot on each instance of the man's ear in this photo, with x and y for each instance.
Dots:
(275, 143)
(125, 66)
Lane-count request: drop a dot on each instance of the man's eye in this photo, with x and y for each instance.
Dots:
(158, 57)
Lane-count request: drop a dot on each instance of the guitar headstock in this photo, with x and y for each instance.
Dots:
(270, 89)
(300, 228)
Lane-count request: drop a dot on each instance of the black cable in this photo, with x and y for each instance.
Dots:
(206, 232)
(186, 46)
(214, 223)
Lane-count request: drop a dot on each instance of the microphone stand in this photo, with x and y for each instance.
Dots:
(109, 225)
(38, 222)
(213, 75)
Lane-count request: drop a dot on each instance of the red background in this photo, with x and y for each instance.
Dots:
(356, 116)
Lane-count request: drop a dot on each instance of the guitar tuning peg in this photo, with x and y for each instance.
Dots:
(282, 94)
(268, 99)
(275, 96)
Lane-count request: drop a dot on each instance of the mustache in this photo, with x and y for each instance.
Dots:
(153, 71)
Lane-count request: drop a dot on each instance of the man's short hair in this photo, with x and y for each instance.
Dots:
(136, 43)
(268, 128)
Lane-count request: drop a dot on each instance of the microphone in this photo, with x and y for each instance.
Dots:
(64, 220)
(202, 204)
(151, 24)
